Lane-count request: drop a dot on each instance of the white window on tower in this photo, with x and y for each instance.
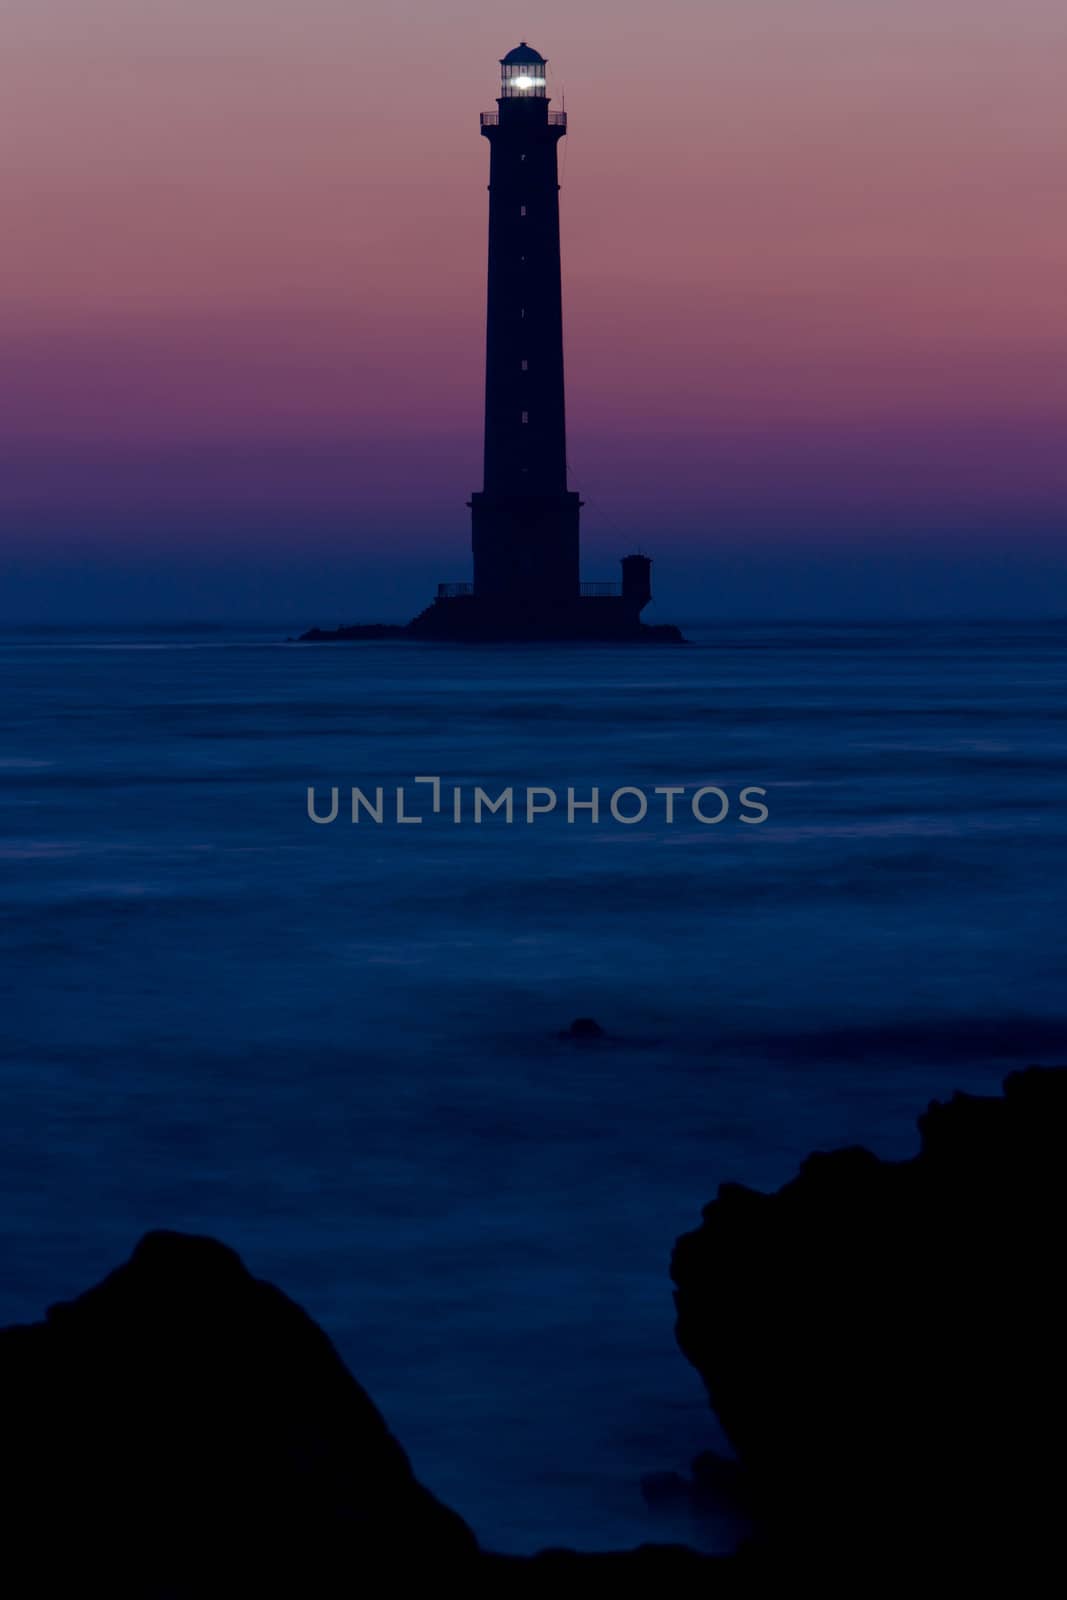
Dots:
(525, 418)
(522, 312)
(523, 156)
(522, 211)
(526, 366)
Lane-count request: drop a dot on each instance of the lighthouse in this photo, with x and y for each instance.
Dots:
(524, 518)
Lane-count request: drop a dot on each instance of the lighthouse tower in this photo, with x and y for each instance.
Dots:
(524, 519)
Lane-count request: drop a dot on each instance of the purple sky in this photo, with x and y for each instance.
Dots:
(814, 268)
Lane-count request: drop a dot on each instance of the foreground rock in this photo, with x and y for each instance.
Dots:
(184, 1428)
(884, 1342)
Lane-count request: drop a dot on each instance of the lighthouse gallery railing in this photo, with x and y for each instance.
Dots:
(556, 119)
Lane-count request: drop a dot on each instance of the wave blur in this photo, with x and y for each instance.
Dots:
(337, 1048)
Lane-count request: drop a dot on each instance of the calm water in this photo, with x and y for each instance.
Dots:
(335, 1047)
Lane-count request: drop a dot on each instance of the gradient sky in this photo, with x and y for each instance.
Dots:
(815, 298)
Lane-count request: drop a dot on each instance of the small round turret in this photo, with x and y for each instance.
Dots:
(637, 580)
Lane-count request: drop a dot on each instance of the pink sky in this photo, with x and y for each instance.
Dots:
(815, 256)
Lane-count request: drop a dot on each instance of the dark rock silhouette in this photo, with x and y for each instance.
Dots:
(185, 1428)
(714, 1483)
(883, 1342)
(348, 634)
(671, 1571)
(584, 1028)
(467, 621)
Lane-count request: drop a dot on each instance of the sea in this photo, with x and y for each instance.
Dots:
(343, 1047)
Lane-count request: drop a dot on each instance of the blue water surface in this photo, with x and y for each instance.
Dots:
(335, 1046)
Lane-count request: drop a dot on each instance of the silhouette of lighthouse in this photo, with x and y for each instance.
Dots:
(524, 520)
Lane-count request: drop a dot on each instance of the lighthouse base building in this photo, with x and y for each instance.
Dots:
(524, 518)
(588, 611)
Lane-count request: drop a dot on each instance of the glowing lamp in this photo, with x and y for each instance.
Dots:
(522, 74)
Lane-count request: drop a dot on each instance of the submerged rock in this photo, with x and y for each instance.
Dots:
(584, 1028)
(883, 1341)
(353, 632)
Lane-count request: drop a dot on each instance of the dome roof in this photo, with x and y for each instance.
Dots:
(521, 52)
